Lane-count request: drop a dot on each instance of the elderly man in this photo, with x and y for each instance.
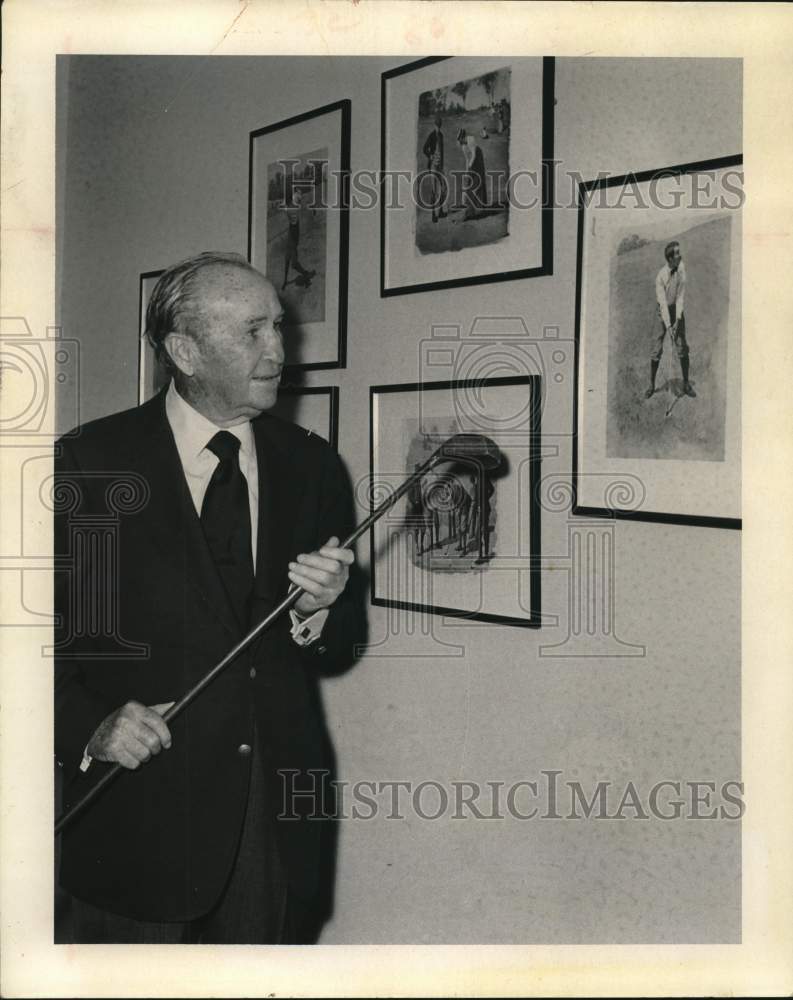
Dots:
(188, 846)
(670, 288)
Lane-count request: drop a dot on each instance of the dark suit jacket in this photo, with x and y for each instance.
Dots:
(159, 842)
(432, 144)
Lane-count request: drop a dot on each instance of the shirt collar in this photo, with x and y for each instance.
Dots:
(192, 431)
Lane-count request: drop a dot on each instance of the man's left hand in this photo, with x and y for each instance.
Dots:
(323, 575)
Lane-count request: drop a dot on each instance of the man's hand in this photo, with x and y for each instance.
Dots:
(131, 735)
(323, 575)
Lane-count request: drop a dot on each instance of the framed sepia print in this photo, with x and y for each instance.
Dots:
(658, 340)
(152, 374)
(466, 178)
(298, 228)
(465, 540)
(316, 409)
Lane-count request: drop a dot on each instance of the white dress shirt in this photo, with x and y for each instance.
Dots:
(670, 290)
(192, 433)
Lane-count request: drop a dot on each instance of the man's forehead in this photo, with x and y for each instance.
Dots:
(221, 283)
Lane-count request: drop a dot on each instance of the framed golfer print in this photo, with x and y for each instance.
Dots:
(466, 184)
(465, 540)
(658, 339)
(298, 228)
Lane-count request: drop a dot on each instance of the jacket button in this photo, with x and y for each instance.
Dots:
(243, 749)
(252, 673)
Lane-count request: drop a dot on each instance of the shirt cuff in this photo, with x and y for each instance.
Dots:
(85, 763)
(308, 630)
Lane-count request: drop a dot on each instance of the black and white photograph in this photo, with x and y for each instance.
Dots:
(659, 335)
(393, 510)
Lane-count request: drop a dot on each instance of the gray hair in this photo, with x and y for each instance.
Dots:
(171, 298)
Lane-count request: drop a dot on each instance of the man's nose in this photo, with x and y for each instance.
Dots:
(275, 346)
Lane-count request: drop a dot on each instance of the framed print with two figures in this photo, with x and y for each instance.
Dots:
(466, 189)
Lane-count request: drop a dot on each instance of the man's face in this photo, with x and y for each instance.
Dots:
(239, 351)
(674, 258)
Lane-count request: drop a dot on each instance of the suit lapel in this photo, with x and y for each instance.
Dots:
(280, 488)
(170, 516)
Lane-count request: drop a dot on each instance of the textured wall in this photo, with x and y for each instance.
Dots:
(154, 167)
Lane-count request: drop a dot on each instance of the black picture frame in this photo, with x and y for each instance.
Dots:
(516, 498)
(542, 244)
(152, 374)
(326, 425)
(593, 196)
(315, 343)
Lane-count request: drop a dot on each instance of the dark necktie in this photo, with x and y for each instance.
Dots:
(226, 520)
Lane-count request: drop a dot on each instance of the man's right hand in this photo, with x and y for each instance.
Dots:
(131, 735)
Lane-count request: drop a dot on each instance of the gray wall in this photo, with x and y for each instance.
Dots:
(153, 167)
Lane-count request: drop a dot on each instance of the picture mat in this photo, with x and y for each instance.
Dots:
(522, 247)
(692, 488)
(319, 341)
(491, 590)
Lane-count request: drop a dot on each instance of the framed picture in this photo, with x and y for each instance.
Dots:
(152, 374)
(465, 540)
(298, 228)
(316, 409)
(658, 331)
(465, 192)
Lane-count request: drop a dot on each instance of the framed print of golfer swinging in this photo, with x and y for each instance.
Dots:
(298, 228)
(466, 185)
(658, 338)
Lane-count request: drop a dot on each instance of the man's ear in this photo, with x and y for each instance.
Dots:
(181, 350)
